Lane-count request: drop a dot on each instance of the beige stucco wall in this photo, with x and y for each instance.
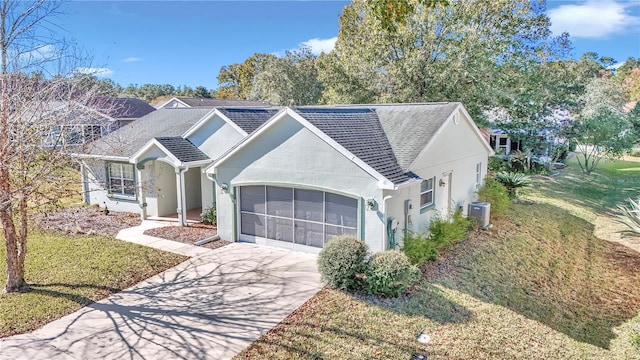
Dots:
(95, 176)
(215, 137)
(456, 149)
(292, 156)
(193, 188)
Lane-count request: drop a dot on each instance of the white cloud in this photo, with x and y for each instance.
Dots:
(592, 19)
(319, 46)
(41, 53)
(99, 72)
(132, 59)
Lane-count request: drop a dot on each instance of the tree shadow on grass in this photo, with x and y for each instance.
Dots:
(50, 290)
(426, 300)
(551, 269)
(205, 308)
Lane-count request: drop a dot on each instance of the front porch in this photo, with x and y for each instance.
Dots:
(193, 216)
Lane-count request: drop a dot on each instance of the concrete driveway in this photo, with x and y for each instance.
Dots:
(210, 307)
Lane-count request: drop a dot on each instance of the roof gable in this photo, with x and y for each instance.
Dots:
(248, 119)
(182, 149)
(121, 107)
(409, 128)
(359, 131)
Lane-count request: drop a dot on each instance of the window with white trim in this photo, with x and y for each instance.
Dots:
(478, 174)
(427, 192)
(121, 181)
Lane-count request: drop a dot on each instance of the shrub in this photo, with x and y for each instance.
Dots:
(635, 331)
(630, 217)
(442, 232)
(342, 263)
(498, 163)
(495, 194)
(418, 248)
(209, 216)
(390, 273)
(513, 181)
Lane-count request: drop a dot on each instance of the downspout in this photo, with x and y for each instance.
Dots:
(384, 218)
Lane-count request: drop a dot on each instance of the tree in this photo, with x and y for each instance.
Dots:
(603, 133)
(289, 80)
(38, 102)
(435, 52)
(236, 80)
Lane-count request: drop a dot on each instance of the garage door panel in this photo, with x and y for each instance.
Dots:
(309, 205)
(280, 201)
(341, 210)
(309, 234)
(295, 218)
(280, 229)
(252, 199)
(252, 224)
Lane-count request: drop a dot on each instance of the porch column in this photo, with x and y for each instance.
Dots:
(182, 200)
(140, 189)
(85, 184)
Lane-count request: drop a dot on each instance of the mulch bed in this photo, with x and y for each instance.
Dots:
(188, 234)
(86, 220)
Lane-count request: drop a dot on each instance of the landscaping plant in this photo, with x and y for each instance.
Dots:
(390, 273)
(342, 263)
(495, 194)
(209, 216)
(630, 217)
(513, 181)
(442, 232)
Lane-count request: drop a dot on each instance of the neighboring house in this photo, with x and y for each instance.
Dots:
(294, 177)
(187, 102)
(74, 124)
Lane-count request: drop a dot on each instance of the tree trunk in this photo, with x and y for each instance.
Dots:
(15, 254)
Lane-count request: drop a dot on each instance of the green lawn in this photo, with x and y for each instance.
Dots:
(69, 272)
(539, 285)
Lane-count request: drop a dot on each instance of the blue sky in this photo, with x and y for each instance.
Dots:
(186, 43)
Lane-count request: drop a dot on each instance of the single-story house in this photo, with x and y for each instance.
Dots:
(294, 177)
(74, 124)
(189, 102)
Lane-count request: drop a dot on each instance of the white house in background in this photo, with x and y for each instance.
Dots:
(294, 177)
(189, 102)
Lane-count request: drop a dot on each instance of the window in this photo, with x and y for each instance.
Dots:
(121, 180)
(426, 192)
(478, 174)
(298, 216)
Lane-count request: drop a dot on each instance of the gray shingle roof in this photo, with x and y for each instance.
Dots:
(359, 131)
(249, 119)
(410, 127)
(182, 149)
(208, 102)
(121, 107)
(160, 123)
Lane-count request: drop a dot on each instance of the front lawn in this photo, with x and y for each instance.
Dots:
(539, 285)
(68, 272)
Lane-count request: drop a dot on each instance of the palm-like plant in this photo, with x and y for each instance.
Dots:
(630, 217)
(513, 181)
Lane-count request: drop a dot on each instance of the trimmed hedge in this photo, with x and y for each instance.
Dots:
(390, 273)
(342, 263)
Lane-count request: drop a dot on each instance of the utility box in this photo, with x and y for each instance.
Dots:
(480, 212)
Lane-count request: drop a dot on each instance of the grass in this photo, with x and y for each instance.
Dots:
(539, 285)
(69, 272)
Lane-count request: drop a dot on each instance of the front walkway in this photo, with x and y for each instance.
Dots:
(209, 307)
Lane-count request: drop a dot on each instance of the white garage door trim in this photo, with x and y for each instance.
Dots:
(294, 218)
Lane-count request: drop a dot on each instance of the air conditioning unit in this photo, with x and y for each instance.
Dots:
(480, 212)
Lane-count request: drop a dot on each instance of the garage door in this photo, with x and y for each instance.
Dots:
(296, 219)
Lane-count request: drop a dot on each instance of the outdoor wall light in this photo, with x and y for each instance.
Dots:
(372, 204)
(224, 187)
(442, 183)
